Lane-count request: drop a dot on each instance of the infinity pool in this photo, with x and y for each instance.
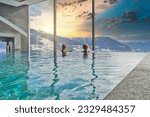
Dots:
(43, 76)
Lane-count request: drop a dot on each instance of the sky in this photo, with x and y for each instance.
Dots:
(119, 19)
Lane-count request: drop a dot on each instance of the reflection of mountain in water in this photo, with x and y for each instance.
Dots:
(44, 40)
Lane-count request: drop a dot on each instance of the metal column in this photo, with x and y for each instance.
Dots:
(93, 25)
(55, 30)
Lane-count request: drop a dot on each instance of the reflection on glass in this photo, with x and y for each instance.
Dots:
(42, 25)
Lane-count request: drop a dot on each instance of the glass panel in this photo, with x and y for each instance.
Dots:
(41, 25)
(74, 23)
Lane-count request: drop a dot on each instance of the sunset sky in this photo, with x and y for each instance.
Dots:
(123, 19)
(72, 20)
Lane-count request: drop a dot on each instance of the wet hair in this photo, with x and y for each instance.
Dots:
(63, 46)
(85, 47)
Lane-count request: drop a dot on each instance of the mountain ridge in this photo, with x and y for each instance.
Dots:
(100, 42)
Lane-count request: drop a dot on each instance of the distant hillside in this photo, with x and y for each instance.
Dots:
(106, 43)
(100, 42)
(142, 46)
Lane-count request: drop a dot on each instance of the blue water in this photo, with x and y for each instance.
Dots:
(43, 76)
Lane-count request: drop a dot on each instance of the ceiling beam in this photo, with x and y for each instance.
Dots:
(17, 3)
(4, 20)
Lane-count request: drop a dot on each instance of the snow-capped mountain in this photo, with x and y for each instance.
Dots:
(141, 46)
(44, 40)
(106, 43)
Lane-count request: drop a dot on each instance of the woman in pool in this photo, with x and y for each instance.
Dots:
(85, 51)
(64, 50)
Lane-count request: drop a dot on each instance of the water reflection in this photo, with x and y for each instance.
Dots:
(55, 78)
(95, 76)
(47, 77)
(85, 55)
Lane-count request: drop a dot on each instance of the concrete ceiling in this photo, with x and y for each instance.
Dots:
(17, 3)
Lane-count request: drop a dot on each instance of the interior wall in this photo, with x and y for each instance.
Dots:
(16, 15)
(19, 16)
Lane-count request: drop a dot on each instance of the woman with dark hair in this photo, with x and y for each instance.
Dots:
(85, 51)
(64, 50)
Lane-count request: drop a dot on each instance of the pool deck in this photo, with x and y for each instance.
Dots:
(136, 86)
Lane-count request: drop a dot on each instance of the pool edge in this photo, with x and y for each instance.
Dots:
(135, 86)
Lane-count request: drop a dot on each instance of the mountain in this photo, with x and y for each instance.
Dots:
(142, 46)
(107, 43)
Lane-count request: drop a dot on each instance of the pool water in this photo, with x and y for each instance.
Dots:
(41, 76)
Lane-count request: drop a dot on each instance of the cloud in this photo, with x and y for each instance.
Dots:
(34, 11)
(130, 18)
(39, 8)
(121, 19)
(41, 16)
